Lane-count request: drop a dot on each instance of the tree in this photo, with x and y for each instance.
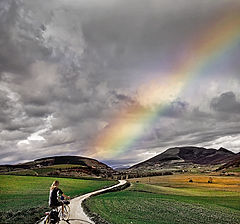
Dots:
(210, 180)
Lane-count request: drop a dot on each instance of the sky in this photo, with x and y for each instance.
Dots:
(75, 74)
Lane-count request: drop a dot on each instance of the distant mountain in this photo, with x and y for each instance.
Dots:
(188, 155)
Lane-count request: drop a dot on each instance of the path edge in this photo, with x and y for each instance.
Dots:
(96, 218)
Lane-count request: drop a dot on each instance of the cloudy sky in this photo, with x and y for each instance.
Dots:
(69, 68)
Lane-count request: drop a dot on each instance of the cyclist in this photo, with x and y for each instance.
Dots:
(55, 192)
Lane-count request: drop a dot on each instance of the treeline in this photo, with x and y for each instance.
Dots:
(123, 176)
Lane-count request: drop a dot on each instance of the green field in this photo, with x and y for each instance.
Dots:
(24, 199)
(168, 201)
(66, 166)
(236, 169)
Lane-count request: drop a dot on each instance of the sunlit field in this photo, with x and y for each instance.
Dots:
(198, 183)
(172, 199)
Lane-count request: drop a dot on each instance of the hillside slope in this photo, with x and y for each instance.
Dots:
(235, 163)
(61, 165)
(188, 155)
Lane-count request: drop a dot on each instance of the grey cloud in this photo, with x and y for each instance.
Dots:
(120, 97)
(198, 114)
(226, 102)
(26, 125)
(9, 109)
(20, 40)
(11, 135)
(176, 108)
(37, 111)
(4, 105)
(145, 35)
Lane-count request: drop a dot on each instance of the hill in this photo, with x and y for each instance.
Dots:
(186, 156)
(233, 165)
(60, 166)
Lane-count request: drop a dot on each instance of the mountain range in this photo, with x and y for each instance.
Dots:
(177, 158)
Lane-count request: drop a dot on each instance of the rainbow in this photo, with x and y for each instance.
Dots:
(130, 124)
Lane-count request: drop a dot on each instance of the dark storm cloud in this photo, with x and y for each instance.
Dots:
(37, 111)
(20, 40)
(67, 67)
(226, 102)
(119, 97)
(4, 105)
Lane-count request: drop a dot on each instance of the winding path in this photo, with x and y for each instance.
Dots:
(77, 215)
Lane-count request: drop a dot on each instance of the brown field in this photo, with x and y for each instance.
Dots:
(181, 181)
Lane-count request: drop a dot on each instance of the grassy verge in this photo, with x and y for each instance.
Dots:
(94, 216)
(24, 198)
(157, 203)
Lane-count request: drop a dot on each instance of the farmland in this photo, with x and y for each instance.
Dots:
(24, 199)
(46, 171)
(172, 199)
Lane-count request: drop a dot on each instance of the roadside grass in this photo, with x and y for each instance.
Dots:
(29, 195)
(157, 203)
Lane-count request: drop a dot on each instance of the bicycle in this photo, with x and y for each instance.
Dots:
(57, 214)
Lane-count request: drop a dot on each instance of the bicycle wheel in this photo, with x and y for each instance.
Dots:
(66, 212)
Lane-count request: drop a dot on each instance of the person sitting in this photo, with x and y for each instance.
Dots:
(55, 192)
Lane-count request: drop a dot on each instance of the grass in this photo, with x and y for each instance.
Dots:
(172, 200)
(32, 172)
(21, 194)
(236, 169)
(66, 166)
(43, 171)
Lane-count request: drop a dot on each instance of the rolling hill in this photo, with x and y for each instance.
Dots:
(60, 165)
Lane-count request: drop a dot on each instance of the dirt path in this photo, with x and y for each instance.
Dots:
(77, 215)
